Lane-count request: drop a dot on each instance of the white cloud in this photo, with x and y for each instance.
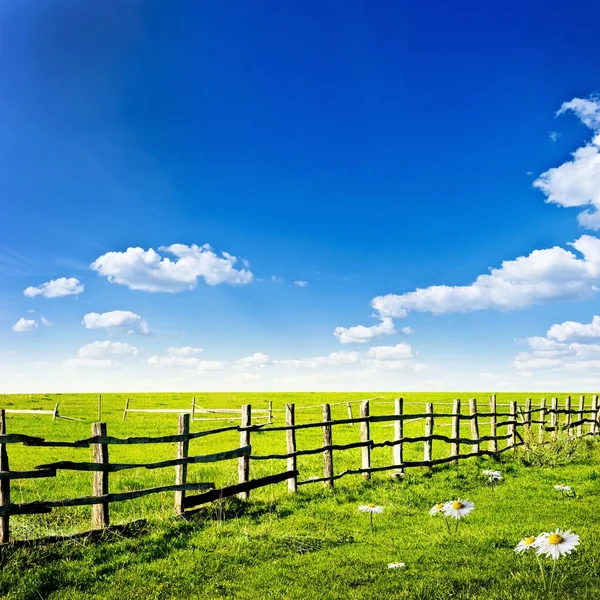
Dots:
(543, 276)
(147, 270)
(361, 334)
(258, 360)
(574, 330)
(334, 359)
(190, 362)
(23, 325)
(301, 284)
(586, 109)
(89, 363)
(184, 351)
(399, 351)
(554, 135)
(45, 322)
(407, 330)
(56, 288)
(116, 319)
(106, 348)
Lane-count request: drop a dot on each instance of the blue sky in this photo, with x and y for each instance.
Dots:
(360, 149)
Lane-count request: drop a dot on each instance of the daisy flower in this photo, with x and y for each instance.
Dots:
(525, 544)
(371, 508)
(561, 487)
(395, 565)
(556, 544)
(458, 508)
(438, 508)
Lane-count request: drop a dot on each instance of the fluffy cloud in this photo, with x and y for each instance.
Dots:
(45, 322)
(396, 352)
(574, 330)
(190, 362)
(102, 349)
(89, 363)
(407, 330)
(147, 270)
(543, 276)
(184, 351)
(56, 288)
(23, 325)
(586, 109)
(301, 284)
(258, 360)
(116, 319)
(361, 334)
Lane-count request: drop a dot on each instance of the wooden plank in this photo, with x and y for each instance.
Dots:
(290, 419)
(31, 411)
(493, 446)
(239, 488)
(183, 428)
(594, 426)
(365, 436)
(474, 424)
(100, 516)
(40, 506)
(28, 474)
(512, 428)
(455, 446)
(243, 462)
(327, 442)
(349, 409)
(554, 417)
(318, 450)
(579, 429)
(428, 443)
(4, 484)
(542, 420)
(398, 448)
(270, 414)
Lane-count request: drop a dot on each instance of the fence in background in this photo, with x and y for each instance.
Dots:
(576, 422)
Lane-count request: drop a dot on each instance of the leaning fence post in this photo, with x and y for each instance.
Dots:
(474, 425)
(428, 443)
(100, 516)
(527, 414)
(542, 419)
(349, 407)
(554, 418)
(580, 415)
(493, 442)
(55, 413)
(244, 461)
(270, 414)
(327, 451)
(182, 452)
(593, 424)
(193, 409)
(365, 436)
(398, 455)
(126, 408)
(512, 425)
(568, 413)
(290, 421)
(455, 447)
(4, 484)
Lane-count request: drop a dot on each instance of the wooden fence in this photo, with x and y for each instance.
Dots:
(519, 423)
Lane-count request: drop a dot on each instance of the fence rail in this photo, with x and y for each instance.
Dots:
(507, 431)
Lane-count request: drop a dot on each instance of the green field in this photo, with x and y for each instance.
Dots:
(311, 545)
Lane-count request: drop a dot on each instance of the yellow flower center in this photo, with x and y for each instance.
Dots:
(529, 540)
(555, 539)
(439, 506)
(457, 505)
(372, 505)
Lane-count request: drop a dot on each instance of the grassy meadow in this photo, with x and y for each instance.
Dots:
(314, 544)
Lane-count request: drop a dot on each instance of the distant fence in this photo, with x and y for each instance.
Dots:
(576, 422)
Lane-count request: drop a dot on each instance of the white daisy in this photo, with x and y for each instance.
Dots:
(438, 508)
(556, 544)
(525, 544)
(395, 565)
(561, 487)
(458, 508)
(371, 508)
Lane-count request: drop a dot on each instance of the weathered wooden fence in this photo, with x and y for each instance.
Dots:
(518, 423)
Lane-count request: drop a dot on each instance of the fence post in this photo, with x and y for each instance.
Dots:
(4, 484)
(512, 427)
(290, 421)
(327, 454)
(527, 414)
(455, 448)
(100, 516)
(365, 436)
(593, 425)
(193, 409)
(55, 413)
(270, 422)
(474, 425)
(349, 407)
(542, 431)
(568, 413)
(428, 444)
(244, 461)
(398, 454)
(597, 419)
(126, 408)
(580, 415)
(493, 443)
(554, 418)
(182, 452)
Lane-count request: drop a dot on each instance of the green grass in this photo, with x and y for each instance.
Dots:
(311, 545)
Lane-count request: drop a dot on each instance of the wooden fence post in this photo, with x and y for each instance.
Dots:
(270, 421)
(4, 484)
(455, 447)
(597, 420)
(182, 452)
(474, 425)
(554, 418)
(398, 454)
(290, 421)
(580, 415)
(493, 443)
(327, 453)
(568, 418)
(193, 409)
(365, 436)
(512, 427)
(528, 414)
(244, 461)
(349, 407)
(542, 420)
(428, 444)
(593, 425)
(100, 516)
(55, 413)
(126, 408)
